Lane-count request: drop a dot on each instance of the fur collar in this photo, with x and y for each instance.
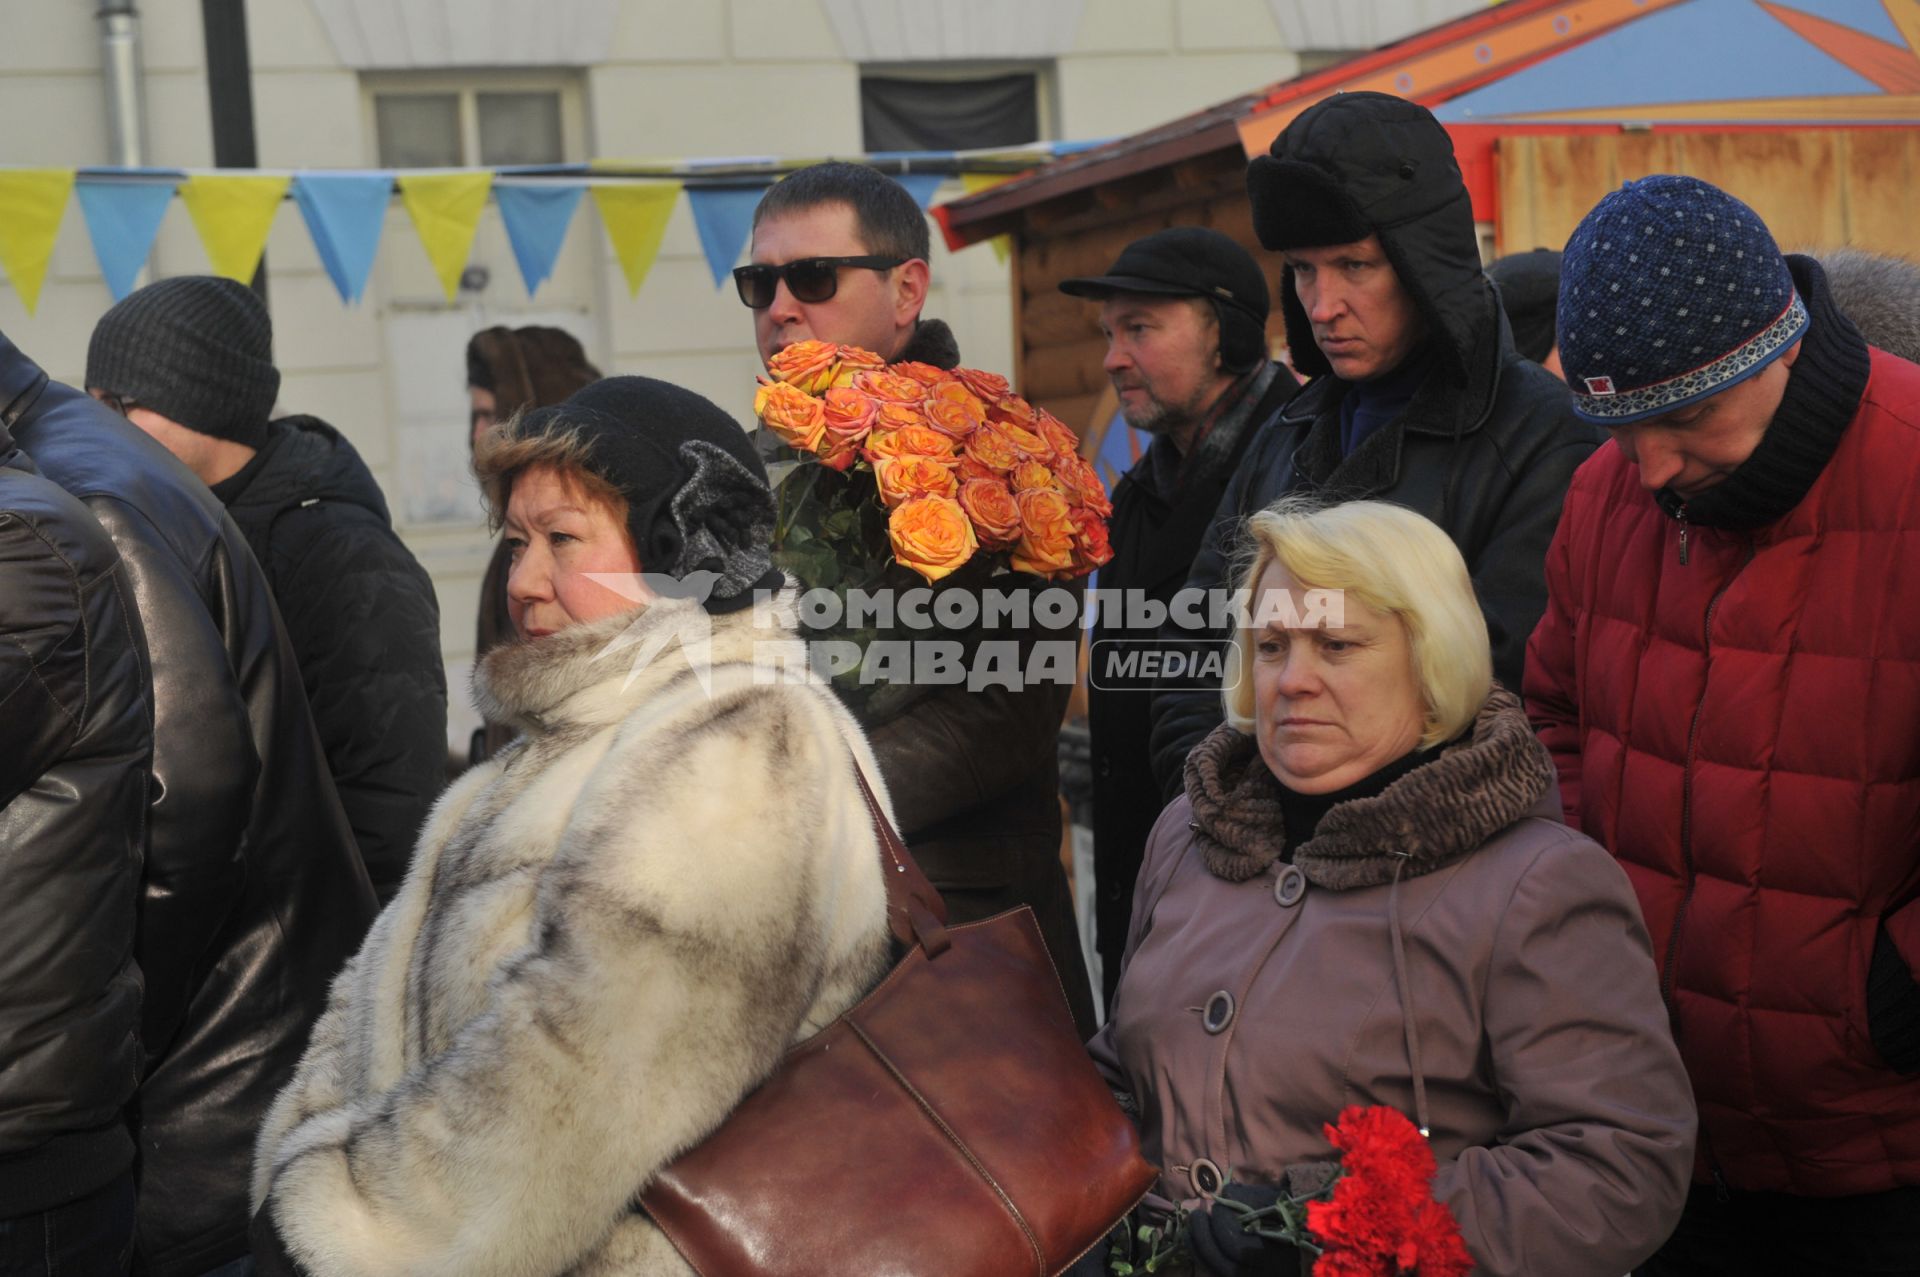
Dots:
(1431, 817)
(932, 343)
(595, 673)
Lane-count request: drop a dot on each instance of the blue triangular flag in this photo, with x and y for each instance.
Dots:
(345, 213)
(537, 216)
(723, 215)
(921, 186)
(122, 219)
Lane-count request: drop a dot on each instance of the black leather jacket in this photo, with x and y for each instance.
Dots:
(254, 894)
(76, 734)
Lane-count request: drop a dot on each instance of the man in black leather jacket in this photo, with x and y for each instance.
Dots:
(254, 896)
(76, 739)
(1417, 394)
(974, 776)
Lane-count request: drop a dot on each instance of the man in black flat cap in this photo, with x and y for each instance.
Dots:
(1184, 312)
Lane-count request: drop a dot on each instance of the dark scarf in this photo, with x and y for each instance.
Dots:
(1164, 472)
(1823, 392)
(1431, 813)
(1370, 405)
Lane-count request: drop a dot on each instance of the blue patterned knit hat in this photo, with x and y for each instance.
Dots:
(1671, 290)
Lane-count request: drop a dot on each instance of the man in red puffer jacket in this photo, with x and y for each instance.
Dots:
(1728, 674)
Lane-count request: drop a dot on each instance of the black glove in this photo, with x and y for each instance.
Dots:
(1223, 1248)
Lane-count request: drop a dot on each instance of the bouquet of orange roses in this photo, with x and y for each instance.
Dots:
(960, 466)
(916, 477)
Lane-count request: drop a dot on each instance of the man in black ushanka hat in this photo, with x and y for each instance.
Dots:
(1418, 396)
(1728, 675)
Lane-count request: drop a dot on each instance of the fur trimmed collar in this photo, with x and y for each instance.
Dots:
(1431, 817)
(595, 673)
(932, 343)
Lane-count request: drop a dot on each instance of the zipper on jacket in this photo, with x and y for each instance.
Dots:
(1720, 1189)
(1680, 516)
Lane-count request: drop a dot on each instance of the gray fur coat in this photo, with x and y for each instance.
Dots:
(611, 932)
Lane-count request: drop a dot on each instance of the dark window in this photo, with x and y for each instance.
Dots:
(418, 130)
(898, 114)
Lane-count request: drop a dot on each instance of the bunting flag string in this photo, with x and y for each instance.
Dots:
(345, 212)
(446, 208)
(723, 215)
(122, 220)
(32, 202)
(636, 222)
(973, 184)
(536, 217)
(233, 215)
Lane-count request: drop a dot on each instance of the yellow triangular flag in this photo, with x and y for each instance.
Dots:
(973, 183)
(446, 208)
(635, 214)
(32, 201)
(233, 216)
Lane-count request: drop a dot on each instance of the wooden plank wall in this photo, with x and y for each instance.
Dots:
(1815, 188)
(1058, 347)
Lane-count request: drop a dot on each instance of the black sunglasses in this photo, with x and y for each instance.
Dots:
(809, 279)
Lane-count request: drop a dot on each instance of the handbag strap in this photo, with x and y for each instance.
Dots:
(915, 912)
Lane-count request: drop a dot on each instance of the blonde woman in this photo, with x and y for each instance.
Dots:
(1366, 897)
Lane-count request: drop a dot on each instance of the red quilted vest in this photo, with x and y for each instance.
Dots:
(1743, 732)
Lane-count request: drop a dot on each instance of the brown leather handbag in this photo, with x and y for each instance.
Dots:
(949, 1124)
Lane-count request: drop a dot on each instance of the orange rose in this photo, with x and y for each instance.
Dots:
(1046, 534)
(990, 447)
(909, 441)
(1029, 445)
(790, 413)
(1013, 408)
(1062, 440)
(1081, 482)
(897, 416)
(958, 417)
(1031, 476)
(902, 479)
(990, 386)
(853, 362)
(970, 468)
(890, 387)
(996, 519)
(848, 418)
(1091, 548)
(926, 374)
(931, 535)
(806, 365)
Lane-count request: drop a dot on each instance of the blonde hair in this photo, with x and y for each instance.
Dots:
(1393, 560)
(510, 448)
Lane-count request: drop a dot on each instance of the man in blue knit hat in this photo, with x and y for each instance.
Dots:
(1728, 675)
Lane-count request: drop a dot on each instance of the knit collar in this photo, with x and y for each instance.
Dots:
(1823, 392)
(1435, 814)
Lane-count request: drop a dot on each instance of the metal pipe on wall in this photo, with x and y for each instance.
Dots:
(120, 77)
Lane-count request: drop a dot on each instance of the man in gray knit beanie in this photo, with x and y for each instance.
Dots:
(190, 362)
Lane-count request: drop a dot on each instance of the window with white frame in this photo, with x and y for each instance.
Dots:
(487, 120)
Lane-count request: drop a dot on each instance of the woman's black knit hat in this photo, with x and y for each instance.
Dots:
(697, 496)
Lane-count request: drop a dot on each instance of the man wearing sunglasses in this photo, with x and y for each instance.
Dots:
(840, 254)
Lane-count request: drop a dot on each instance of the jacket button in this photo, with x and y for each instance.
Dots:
(1291, 885)
(1218, 1013)
(1205, 1177)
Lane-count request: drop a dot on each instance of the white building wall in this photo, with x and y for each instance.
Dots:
(678, 79)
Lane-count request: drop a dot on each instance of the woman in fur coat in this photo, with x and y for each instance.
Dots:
(1366, 897)
(614, 929)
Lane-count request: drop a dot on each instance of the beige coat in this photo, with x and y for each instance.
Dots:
(1560, 1114)
(612, 931)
